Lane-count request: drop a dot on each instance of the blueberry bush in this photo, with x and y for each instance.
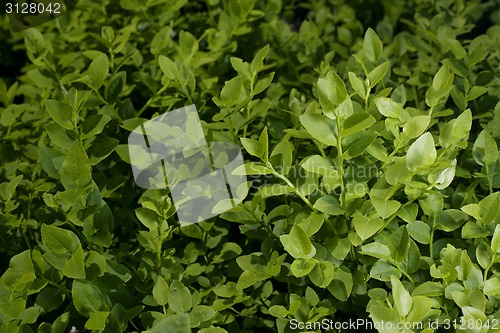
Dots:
(370, 133)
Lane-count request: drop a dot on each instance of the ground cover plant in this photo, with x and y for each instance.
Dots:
(369, 131)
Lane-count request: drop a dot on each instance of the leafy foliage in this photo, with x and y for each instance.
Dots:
(370, 137)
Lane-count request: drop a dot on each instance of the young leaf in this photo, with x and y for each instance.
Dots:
(357, 84)
(298, 244)
(168, 67)
(366, 227)
(60, 112)
(320, 128)
(87, 298)
(372, 45)
(378, 74)
(98, 70)
(331, 92)
(402, 298)
(388, 107)
(485, 150)
(179, 297)
(231, 91)
(416, 126)
(421, 153)
(59, 240)
(160, 291)
(75, 169)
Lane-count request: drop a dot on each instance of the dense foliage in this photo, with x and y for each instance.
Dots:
(370, 136)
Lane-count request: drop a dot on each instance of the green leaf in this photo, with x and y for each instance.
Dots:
(357, 84)
(60, 112)
(243, 68)
(98, 70)
(401, 245)
(252, 168)
(355, 144)
(366, 227)
(160, 291)
(49, 299)
(114, 87)
(490, 209)
(475, 92)
(168, 67)
(421, 153)
(94, 125)
(253, 147)
(263, 83)
(278, 311)
(59, 240)
(485, 150)
(200, 314)
(329, 204)
(87, 298)
(416, 126)
(264, 145)
(385, 208)
(495, 241)
(231, 91)
(437, 94)
(312, 223)
(492, 287)
(462, 125)
(402, 298)
(318, 164)
(331, 92)
(357, 122)
(97, 320)
(298, 244)
(484, 254)
(74, 268)
(372, 45)
(246, 279)
(179, 297)
(419, 231)
(378, 73)
(75, 170)
(302, 267)
(322, 274)
(101, 148)
(179, 323)
(429, 288)
(284, 150)
(320, 128)
(257, 63)
(342, 283)
(376, 250)
(388, 108)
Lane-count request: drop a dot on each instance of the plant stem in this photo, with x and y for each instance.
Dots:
(289, 183)
(431, 243)
(340, 162)
(490, 185)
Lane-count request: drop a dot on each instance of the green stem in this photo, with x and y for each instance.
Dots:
(340, 162)
(150, 100)
(490, 185)
(487, 270)
(58, 286)
(289, 183)
(431, 243)
(404, 273)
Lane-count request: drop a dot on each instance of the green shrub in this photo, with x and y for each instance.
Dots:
(369, 131)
